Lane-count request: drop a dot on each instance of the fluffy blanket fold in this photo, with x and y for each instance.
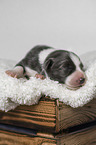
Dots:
(14, 92)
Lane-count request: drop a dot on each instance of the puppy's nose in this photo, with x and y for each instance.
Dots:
(82, 80)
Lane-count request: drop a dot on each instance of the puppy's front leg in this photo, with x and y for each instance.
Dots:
(17, 72)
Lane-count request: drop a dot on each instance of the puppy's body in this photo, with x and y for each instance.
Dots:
(59, 65)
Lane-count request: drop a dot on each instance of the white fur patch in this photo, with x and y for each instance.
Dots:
(43, 54)
(30, 72)
(76, 61)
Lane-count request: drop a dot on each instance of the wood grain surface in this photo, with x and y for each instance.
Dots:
(9, 138)
(85, 136)
(49, 115)
(40, 117)
(69, 116)
(82, 137)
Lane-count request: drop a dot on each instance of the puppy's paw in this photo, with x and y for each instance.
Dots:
(40, 76)
(11, 73)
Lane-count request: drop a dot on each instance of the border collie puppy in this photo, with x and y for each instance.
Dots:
(59, 65)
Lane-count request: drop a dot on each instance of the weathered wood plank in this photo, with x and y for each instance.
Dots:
(15, 136)
(9, 138)
(69, 116)
(50, 115)
(81, 137)
(41, 116)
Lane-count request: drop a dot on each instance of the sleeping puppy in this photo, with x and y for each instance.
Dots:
(59, 65)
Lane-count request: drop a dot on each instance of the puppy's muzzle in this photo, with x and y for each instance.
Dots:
(76, 80)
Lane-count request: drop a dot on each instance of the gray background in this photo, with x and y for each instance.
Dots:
(68, 24)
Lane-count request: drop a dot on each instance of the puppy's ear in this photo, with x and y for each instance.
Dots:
(49, 63)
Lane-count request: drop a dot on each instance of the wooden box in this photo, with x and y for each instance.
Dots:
(49, 123)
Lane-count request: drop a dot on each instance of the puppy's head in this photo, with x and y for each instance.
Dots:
(65, 67)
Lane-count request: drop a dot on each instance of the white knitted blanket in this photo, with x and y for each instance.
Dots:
(14, 92)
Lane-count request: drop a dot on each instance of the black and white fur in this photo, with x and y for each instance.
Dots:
(59, 65)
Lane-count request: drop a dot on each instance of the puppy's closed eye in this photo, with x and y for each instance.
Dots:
(67, 66)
